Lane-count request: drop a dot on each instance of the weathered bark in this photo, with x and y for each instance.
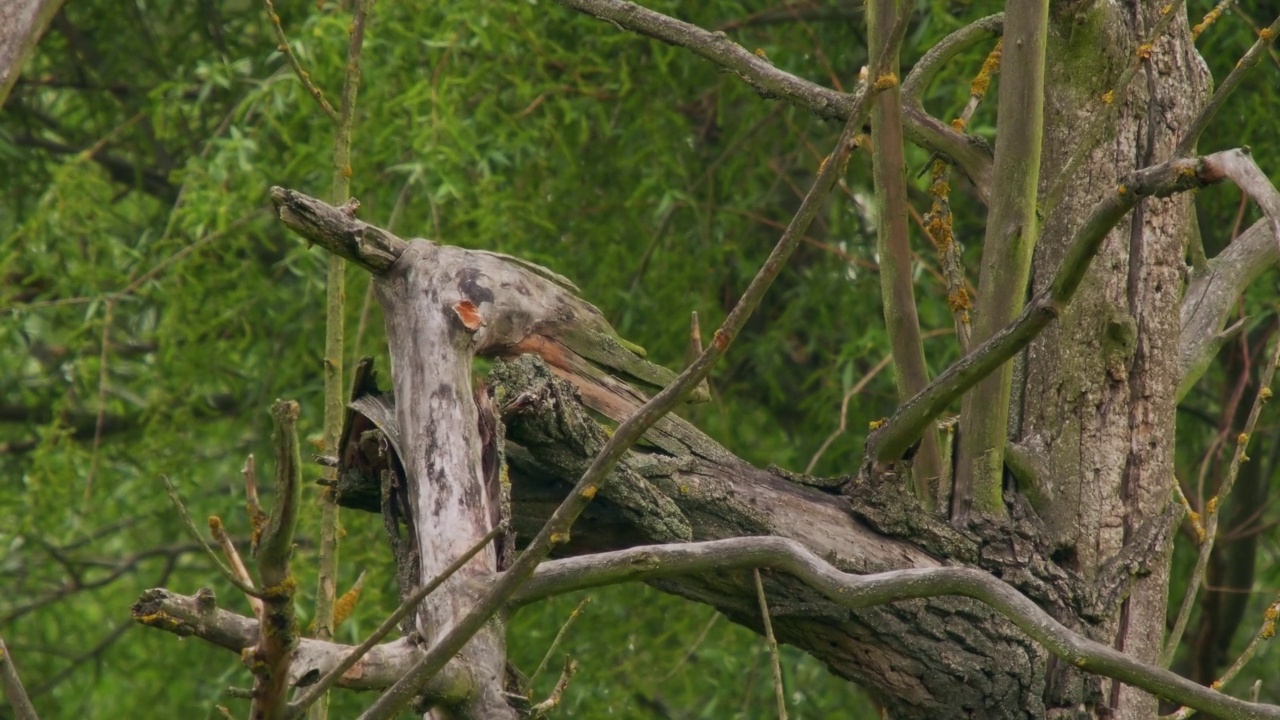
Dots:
(22, 22)
(1100, 386)
(936, 658)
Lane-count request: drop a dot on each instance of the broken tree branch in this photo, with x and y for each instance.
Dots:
(196, 616)
(557, 528)
(279, 631)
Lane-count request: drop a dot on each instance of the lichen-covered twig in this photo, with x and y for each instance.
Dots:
(269, 659)
(1214, 506)
(304, 77)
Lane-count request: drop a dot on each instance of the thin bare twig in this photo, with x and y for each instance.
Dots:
(557, 693)
(693, 647)
(1266, 631)
(1252, 57)
(559, 638)
(199, 537)
(779, 692)
(844, 411)
(233, 557)
(108, 313)
(772, 82)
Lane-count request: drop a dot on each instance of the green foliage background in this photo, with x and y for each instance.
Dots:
(152, 309)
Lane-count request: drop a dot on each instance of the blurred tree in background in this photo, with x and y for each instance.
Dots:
(152, 308)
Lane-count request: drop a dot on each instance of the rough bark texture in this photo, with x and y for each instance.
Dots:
(938, 658)
(1100, 386)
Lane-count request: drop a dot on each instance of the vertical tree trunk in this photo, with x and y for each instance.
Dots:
(1100, 386)
(430, 323)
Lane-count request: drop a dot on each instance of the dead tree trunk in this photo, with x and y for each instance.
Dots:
(937, 658)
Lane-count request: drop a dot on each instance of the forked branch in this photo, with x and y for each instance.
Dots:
(888, 443)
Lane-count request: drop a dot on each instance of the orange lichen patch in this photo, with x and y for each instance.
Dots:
(469, 314)
(1144, 51)
(959, 300)
(877, 424)
(559, 538)
(721, 340)
(1265, 33)
(1242, 438)
(589, 492)
(1269, 626)
(215, 524)
(958, 124)
(1109, 97)
(938, 227)
(346, 604)
(982, 82)
(164, 621)
(884, 82)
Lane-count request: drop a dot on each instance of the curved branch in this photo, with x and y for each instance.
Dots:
(1252, 57)
(1211, 296)
(860, 591)
(927, 68)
